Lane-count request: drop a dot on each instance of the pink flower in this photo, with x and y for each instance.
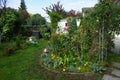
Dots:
(66, 28)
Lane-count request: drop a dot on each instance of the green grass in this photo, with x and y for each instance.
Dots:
(112, 57)
(18, 66)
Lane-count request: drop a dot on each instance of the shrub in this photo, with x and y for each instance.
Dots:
(45, 31)
(10, 50)
(47, 36)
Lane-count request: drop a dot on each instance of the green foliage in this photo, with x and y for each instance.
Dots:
(10, 23)
(24, 15)
(72, 25)
(102, 21)
(45, 32)
(113, 57)
(23, 12)
(22, 5)
(65, 54)
(36, 20)
(97, 68)
(47, 36)
(108, 13)
(20, 42)
(86, 39)
(75, 51)
(54, 18)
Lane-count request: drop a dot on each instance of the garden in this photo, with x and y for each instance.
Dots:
(30, 48)
(84, 48)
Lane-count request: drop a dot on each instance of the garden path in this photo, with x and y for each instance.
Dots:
(117, 44)
(115, 75)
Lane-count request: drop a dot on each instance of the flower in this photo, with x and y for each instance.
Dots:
(53, 56)
(78, 68)
(64, 69)
(66, 28)
(85, 64)
(61, 63)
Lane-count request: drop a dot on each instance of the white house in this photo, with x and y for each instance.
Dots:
(62, 25)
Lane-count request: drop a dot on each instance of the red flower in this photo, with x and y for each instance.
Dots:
(66, 28)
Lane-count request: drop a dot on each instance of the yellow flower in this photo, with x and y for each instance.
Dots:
(53, 56)
(64, 69)
(85, 64)
(78, 68)
(61, 63)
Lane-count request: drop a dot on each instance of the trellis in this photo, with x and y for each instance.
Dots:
(102, 44)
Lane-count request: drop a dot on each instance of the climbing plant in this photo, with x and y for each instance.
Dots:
(104, 23)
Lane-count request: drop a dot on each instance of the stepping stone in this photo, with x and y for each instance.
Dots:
(116, 65)
(116, 72)
(109, 77)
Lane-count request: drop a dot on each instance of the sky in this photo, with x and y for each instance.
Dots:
(35, 6)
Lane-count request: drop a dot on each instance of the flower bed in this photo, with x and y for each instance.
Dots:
(62, 55)
(72, 52)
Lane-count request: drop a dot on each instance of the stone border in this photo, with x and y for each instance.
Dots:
(71, 73)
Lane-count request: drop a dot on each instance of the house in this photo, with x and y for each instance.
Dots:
(62, 25)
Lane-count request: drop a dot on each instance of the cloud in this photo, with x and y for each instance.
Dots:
(78, 5)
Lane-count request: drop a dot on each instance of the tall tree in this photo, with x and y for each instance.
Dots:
(23, 11)
(56, 8)
(22, 5)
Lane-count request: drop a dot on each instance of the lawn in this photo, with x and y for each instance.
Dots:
(18, 66)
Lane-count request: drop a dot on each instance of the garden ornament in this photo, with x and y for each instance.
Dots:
(45, 50)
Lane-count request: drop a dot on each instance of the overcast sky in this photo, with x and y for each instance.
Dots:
(35, 6)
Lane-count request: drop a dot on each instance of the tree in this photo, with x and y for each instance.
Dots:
(55, 8)
(10, 23)
(23, 11)
(36, 20)
(72, 25)
(3, 4)
(22, 5)
(71, 13)
(54, 17)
